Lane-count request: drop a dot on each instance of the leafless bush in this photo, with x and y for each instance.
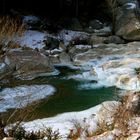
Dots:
(75, 133)
(17, 116)
(121, 116)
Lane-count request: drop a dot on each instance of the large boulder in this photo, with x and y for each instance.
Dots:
(27, 64)
(128, 20)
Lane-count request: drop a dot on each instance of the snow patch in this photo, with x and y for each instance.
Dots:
(21, 96)
(32, 39)
(113, 70)
(30, 19)
(64, 122)
(2, 65)
(105, 29)
(68, 35)
(87, 119)
(130, 5)
(80, 47)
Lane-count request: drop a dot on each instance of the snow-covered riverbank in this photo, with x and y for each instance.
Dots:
(21, 96)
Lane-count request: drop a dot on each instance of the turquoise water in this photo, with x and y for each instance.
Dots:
(68, 97)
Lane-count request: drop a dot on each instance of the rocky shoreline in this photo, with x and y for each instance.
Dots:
(109, 59)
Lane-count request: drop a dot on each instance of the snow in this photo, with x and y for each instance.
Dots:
(80, 47)
(2, 65)
(110, 70)
(130, 5)
(36, 39)
(55, 51)
(97, 45)
(68, 35)
(87, 119)
(30, 19)
(106, 29)
(64, 122)
(20, 96)
(32, 39)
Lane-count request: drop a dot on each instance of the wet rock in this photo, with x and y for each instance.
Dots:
(28, 64)
(127, 20)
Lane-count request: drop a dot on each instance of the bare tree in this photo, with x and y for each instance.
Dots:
(112, 5)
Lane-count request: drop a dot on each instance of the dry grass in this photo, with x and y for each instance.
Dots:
(9, 28)
(124, 114)
(18, 115)
(121, 117)
(76, 132)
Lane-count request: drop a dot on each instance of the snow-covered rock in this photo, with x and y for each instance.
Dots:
(110, 65)
(21, 96)
(68, 36)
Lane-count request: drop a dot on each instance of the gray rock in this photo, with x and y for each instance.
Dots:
(76, 49)
(28, 64)
(64, 58)
(103, 50)
(127, 20)
(54, 59)
(96, 39)
(114, 39)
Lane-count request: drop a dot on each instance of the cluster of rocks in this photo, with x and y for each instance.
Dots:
(61, 48)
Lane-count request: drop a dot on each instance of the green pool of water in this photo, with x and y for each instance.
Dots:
(68, 97)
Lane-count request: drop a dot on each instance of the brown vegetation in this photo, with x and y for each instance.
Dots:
(119, 125)
(9, 28)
